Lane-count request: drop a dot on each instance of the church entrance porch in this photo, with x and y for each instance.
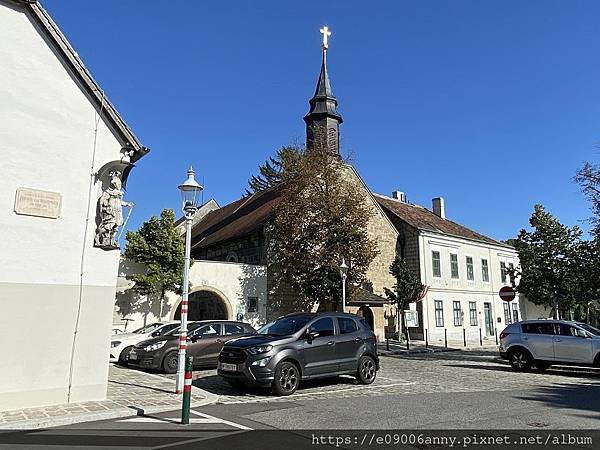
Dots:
(204, 305)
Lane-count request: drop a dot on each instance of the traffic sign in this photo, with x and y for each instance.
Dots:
(507, 293)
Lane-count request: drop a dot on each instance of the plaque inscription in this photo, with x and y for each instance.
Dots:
(33, 202)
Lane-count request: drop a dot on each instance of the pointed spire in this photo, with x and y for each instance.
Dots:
(323, 119)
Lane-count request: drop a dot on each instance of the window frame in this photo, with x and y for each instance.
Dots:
(253, 309)
(437, 274)
(457, 313)
(503, 272)
(454, 265)
(485, 270)
(515, 311)
(507, 313)
(473, 314)
(471, 275)
(438, 307)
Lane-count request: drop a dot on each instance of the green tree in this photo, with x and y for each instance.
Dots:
(321, 217)
(407, 289)
(159, 248)
(270, 172)
(550, 257)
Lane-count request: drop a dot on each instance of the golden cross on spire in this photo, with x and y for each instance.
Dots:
(326, 33)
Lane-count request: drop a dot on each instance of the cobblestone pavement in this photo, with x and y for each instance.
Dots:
(128, 391)
(413, 374)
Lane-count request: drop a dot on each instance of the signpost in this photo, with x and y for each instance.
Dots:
(507, 294)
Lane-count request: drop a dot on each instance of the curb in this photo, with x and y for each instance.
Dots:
(416, 351)
(107, 415)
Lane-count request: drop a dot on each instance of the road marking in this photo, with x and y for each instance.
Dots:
(176, 420)
(226, 422)
(305, 394)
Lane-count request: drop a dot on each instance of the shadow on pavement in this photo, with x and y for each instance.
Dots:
(557, 371)
(568, 396)
(217, 385)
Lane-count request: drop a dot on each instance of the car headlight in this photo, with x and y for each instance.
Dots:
(260, 349)
(155, 346)
(261, 362)
(114, 344)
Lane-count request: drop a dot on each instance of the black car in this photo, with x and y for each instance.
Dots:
(205, 341)
(302, 346)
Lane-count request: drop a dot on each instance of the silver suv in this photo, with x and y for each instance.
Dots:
(542, 343)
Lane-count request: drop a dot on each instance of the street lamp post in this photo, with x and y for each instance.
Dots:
(343, 274)
(190, 202)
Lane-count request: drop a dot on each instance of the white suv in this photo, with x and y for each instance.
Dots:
(542, 343)
(122, 343)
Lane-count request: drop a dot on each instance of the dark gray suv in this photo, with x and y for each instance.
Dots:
(302, 346)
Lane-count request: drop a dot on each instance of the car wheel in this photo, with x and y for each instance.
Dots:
(520, 360)
(541, 366)
(170, 362)
(124, 356)
(367, 370)
(287, 378)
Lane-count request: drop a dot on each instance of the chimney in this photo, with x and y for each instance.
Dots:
(439, 209)
(399, 195)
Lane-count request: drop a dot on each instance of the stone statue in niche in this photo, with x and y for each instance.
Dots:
(110, 210)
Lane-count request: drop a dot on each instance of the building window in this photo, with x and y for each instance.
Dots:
(507, 318)
(473, 313)
(503, 272)
(453, 265)
(485, 271)
(515, 312)
(470, 273)
(436, 263)
(439, 313)
(457, 314)
(510, 274)
(252, 304)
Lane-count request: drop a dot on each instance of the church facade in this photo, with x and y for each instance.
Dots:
(462, 269)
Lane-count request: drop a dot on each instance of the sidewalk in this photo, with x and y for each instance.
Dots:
(418, 347)
(130, 393)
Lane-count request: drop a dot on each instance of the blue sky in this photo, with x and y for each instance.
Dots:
(492, 105)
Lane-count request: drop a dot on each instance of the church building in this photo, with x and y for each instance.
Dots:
(460, 267)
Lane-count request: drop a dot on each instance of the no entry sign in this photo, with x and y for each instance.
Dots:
(507, 293)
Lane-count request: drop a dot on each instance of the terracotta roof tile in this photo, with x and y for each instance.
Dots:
(423, 219)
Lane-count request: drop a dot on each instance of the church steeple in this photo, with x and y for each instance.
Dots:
(323, 121)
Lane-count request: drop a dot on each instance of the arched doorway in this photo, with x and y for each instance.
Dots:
(366, 313)
(204, 305)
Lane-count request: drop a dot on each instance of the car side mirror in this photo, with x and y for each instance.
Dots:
(310, 336)
(195, 338)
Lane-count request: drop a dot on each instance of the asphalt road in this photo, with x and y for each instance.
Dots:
(441, 392)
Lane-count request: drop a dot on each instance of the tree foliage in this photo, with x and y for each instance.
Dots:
(321, 218)
(588, 178)
(552, 259)
(408, 286)
(270, 172)
(159, 248)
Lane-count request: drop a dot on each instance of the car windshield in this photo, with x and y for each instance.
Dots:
(191, 326)
(147, 328)
(284, 326)
(595, 331)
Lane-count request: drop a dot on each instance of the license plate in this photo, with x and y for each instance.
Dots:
(132, 355)
(229, 367)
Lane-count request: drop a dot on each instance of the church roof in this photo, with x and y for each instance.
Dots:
(72, 59)
(236, 219)
(323, 102)
(423, 219)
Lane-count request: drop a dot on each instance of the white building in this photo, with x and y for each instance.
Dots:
(65, 153)
(463, 271)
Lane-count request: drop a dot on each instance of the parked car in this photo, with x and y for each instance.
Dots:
(542, 343)
(121, 344)
(299, 347)
(205, 341)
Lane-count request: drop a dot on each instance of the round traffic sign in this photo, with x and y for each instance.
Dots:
(507, 293)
